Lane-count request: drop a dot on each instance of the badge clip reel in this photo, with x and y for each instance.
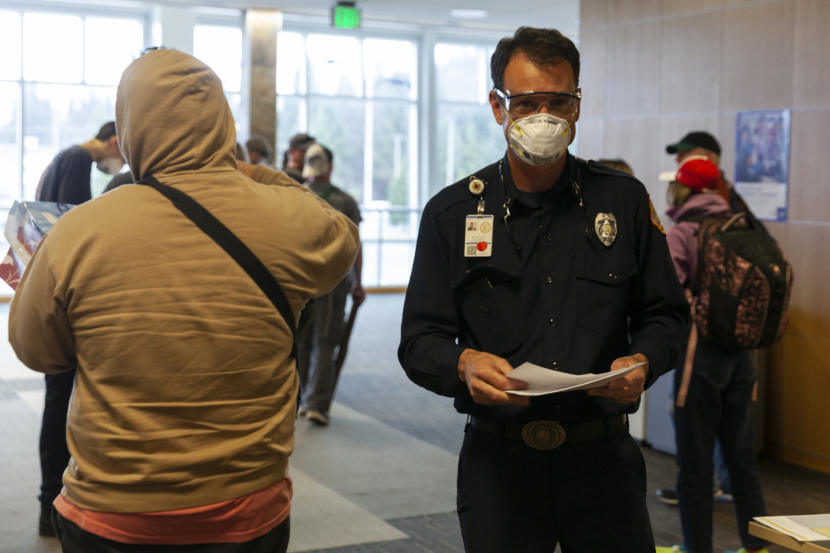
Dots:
(478, 228)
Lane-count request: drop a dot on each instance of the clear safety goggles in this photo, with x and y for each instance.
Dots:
(562, 104)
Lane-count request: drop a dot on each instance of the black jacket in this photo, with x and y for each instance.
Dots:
(551, 293)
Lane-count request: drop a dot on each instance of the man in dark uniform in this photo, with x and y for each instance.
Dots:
(545, 258)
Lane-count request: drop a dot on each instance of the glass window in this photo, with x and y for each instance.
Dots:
(461, 72)
(220, 47)
(9, 151)
(291, 111)
(9, 45)
(334, 65)
(467, 138)
(111, 44)
(339, 125)
(390, 68)
(58, 116)
(391, 136)
(372, 132)
(47, 58)
(235, 103)
(291, 64)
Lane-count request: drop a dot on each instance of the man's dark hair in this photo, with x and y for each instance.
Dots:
(544, 47)
(106, 132)
(259, 144)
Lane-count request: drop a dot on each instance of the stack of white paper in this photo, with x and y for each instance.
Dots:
(541, 381)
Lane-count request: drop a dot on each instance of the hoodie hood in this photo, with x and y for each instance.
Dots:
(699, 204)
(172, 116)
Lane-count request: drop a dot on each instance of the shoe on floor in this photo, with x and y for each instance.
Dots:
(44, 524)
(667, 496)
(672, 549)
(721, 496)
(301, 412)
(318, 418)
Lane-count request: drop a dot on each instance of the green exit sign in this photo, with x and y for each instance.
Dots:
(346, 16)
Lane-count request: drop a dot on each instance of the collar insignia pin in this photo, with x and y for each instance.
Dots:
(605, 225)
(476, 186)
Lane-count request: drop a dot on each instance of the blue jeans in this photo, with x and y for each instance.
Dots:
(718, 404)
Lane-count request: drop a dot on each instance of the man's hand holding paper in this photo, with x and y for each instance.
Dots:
(628, 388)
(626, 377)
(486, 377)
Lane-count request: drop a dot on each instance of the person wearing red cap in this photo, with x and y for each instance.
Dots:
(713, 390)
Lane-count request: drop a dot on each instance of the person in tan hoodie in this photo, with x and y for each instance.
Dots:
(182, 420)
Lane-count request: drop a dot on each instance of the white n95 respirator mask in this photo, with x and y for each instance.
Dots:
(539, 139)
(110, 165)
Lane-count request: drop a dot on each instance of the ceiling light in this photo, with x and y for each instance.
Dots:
(464, 13)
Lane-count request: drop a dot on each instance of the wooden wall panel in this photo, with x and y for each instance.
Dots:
(592, 13)
(797, 385)
(758, 56)
(625, 10)
(691, 46)
(633, 69)
(812, 52)
(640, 154)
(809, 193)
(590, 132)
(671, 7)
(593, 70)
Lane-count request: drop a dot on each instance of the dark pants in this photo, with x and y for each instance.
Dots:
(587, 497)
(54, 454)
(75, 540)
(320, 331)
(718, 404)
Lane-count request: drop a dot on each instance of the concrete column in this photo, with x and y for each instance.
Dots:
(173, 28)
(260, 71)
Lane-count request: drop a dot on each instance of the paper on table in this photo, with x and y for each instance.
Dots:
(802, 527)
(542, 381)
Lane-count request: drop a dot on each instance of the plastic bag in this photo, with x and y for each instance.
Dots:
(27, 224)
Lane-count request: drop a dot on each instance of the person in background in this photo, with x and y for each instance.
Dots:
(293, 160)
(182, 419)
(566, 267)
(715, 399)
(259, 150)
(702, 143)
(321, 325)
(240, 153)
(67, 180)
(127, 178)
(618, 164)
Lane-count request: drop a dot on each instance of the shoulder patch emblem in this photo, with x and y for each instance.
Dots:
(654, 217)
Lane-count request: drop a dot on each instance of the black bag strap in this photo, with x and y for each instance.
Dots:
(229, 242)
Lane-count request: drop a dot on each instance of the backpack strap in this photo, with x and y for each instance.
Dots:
(229, 242)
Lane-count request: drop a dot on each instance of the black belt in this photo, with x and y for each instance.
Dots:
(545, 435)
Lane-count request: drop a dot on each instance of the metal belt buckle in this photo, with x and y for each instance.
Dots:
(543, 435)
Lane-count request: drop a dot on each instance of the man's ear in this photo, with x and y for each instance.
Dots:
(495, 105)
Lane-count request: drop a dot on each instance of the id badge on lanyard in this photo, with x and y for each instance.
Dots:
(478, 236)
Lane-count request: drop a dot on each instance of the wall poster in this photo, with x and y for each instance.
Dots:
(762, 161)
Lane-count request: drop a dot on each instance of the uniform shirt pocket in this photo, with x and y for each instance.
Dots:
(603, 286)
(491, 310)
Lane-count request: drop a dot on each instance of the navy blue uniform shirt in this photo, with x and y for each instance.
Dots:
(67, 178)
(551, 293)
